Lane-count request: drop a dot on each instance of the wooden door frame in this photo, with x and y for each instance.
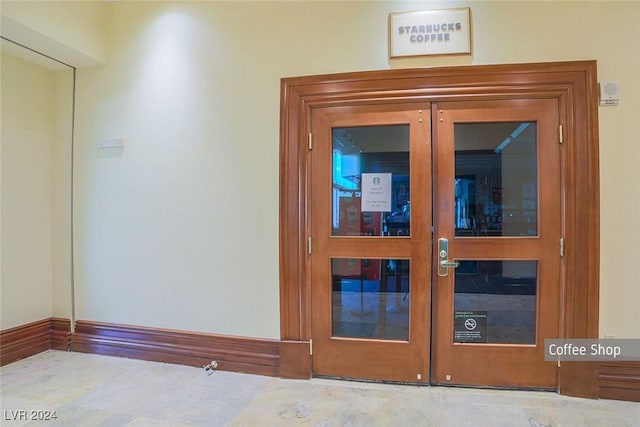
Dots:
(574, 84)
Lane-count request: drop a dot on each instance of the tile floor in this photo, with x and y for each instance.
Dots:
(91, 390)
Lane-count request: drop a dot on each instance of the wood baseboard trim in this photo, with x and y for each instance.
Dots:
(60, 334)
(236, 354)
(24, 341)
(620, 381)
(33, 338)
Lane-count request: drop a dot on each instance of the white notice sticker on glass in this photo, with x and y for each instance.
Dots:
(376, 192)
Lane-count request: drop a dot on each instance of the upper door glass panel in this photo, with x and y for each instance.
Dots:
(371, 181)
(496, 179)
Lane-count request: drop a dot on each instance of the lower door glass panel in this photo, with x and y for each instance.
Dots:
(370, 298)
(495, 302)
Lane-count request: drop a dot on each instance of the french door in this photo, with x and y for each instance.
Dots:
(371, 242)
(497, 192)
(435, 241)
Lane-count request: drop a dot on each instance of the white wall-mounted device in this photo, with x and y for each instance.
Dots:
(609, 93)
(112, 143)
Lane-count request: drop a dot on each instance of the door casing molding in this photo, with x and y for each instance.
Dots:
(574, 84)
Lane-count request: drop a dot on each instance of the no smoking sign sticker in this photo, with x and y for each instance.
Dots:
(470, 326)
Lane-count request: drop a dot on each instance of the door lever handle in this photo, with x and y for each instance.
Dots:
(449, 264)
(443, 258)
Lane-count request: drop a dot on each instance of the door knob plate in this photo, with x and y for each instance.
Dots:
(443, 258)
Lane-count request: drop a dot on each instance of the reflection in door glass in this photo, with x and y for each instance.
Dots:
(370, 298)
(371, 181)
(495, 302)
(496, 179)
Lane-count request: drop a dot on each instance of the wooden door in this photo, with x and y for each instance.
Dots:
(573, 86)
(370, 245)
(497, 205)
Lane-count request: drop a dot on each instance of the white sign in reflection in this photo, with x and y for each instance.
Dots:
(376, 192)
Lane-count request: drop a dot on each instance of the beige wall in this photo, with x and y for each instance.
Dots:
(179, 229)
(61, 187)
(35, 192)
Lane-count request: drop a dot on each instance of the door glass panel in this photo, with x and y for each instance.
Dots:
(496, 179)
(371, 181)
(495, 302)
(370, 298)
